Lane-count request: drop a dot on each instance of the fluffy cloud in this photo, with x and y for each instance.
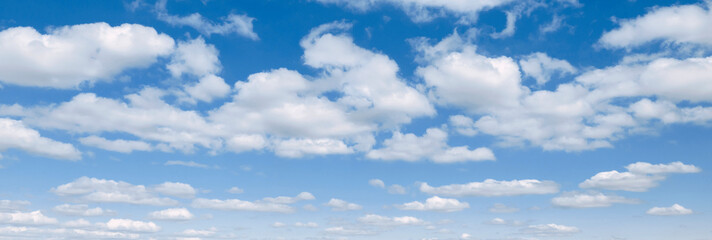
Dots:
(67, 56)
(589, 200)
(550, 229)
(277, 204)
(584, 114)
(175, 189)
(194, 57)
(14, 134)
(233, 23)
(677, 24)
(102, 190)
(174, 214)
(122, 146)
(542, 67)
(436, 203)
(26, 218)
(372, 219)
(675, 209)
(493, 188)
(424, 11)
(640, 177)
(377, 183)
(306, 225)
(499, 221)
(341, 205)
(81, 210)
(431, 145)
(131, 225)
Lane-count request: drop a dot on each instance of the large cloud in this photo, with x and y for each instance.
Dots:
(640, 177)
(676, 24)
(67, 56)
(432, 145)
(14, 134)
(493, 188)
(110, 191)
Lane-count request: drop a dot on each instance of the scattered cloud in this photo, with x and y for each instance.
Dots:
(436, 203)
(14, 134)
(172, 214)
(641, 176)
(341, 205)
(432, 145)
(81, 210)
(110, 191)
(232, 23)
(589, 200)
(493, 188)
(675, 209)
(502, 208)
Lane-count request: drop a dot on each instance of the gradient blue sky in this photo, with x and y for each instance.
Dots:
(360, 119)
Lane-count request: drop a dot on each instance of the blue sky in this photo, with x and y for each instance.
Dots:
(361, 119)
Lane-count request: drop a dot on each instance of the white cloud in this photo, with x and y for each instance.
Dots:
(235, 190)
(377, 183)
(675, 209)
(232, 23)
(341, 205)
(120, 145)
(676, 24)
(278, 225)
(673, 167)
(463, 125)
(68, 56)
(13, 205)
(306, 224)
(493, 188)
(118, 224)
(102, 190)
(508, 31)
(502, 208)
(276, 204)
(81, 210)
(425, 11)
(340, 230)
(175, 189)
(542, 67)
(589, 200)
(295, 148)
(173, 214)
(550, 229)
(432, 145)
(208, 88)
(436, 203)
(26, 218)
(194, 57)
(14, 134)
(377, 220)
(641, 176)
(499, 221)
(199, 233)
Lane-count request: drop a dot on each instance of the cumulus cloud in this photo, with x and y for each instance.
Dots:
(493, 188)
(232, 23)
(541, 67)
(640, 177)
(81, 210)
(172, 214)
(26, 218)
(68, 56)
(175, 189)
(14, 134)
(436, 203)
(377, 220)
(589, 200)
(425, 11)
(276, 204)
(119, 224)
(120, 145)
(432, 145)
(550, 229)
(377, 183)
(341, 205)
(675, 209)
(110, 191)
(676, 24)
